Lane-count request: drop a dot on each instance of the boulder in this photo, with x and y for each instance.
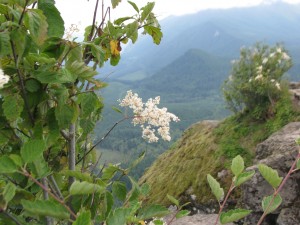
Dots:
(279, 152)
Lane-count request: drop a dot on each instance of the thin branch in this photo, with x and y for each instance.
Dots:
(55, 187)
(49, 220)
(102, 139)
(27, 174)
(22, 85)
(65, 135)
(11, 217)
(72, 151)
(23, 12)
(94, 20)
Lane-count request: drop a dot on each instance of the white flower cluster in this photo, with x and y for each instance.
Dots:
(148, 116)
(3, 78)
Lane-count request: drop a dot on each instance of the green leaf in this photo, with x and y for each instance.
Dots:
(270, 175)
(114, 60)
(119, 216)
(5, 47)
(89, 103)
(53, 77)
(32, 85)
(137, 161)
(119, 21)
(32, 150)
(7, 165)
(45, 208)
(173, 200)
(36, 23)
(131, 28)
(9, 192)
(55, 21)
(147, 10)
(65, 115)
(155, 33)
(109, 172)
(237, 165)
(271, 207)
(119, 190)
(233, 215)
(84, 187)
(182, 213)
(134, 6)
(16, 159)
(12, 107)
(243, 177)
(151, 211)
(84, 218)
(78, 175)
(215, 187)
(40, 167)
(81, 71)
(115, 3)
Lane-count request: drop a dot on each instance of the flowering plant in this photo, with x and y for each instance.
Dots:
(255, 80)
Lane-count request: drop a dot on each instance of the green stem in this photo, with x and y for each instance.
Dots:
(224, 202)
(279, 189)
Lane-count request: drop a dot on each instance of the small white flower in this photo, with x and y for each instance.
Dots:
(272, 80)
(279, 50)
(277, 85)
(265, 60)
(285, 56)
(150, 115)
(3, 79)
(258, 77)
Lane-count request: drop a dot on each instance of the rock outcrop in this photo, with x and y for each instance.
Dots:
(279, 152)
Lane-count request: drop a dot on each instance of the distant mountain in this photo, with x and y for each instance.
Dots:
(221, 32)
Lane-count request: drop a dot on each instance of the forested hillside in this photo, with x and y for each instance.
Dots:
(187, 69)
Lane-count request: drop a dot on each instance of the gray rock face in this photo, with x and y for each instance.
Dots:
(279, 152)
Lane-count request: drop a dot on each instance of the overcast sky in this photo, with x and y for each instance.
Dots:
(80, 12)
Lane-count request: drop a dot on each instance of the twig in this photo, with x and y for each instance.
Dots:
(102, 139)
(11, 217)
(49, 220)
(23, 12)
(24, 93)
(55, 186)
(27, 174)
(224, 202)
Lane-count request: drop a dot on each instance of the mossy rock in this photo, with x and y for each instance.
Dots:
(183, 168)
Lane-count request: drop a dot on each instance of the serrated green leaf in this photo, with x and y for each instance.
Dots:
(84, 218)
(152, 211)
(243, 177)
(271, 207)
(109, 172)
(114, 60)
(78, 175)
(89, 103)
(16, 159)
(46, 208)
(35, 22)
(32, 85)
(233, 215)
(237, 165)
(12, 107)
(119, 190)
(134, 6)
(55, 22)
(115, 3)
(118, 217)
(131, 29)
(65, 115)
(5, 47)
(40, 167)
(173, 200)
(155, 33)
(84, 187)
(182, 213)
(270, 175)
(215, 187)
(32, 150)
(7, 165)
(9, 192)
(147, 10)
